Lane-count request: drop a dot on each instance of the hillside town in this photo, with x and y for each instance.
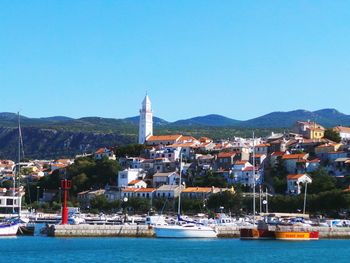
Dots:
(207, 166)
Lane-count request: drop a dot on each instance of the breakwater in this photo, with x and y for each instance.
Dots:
(86, 230)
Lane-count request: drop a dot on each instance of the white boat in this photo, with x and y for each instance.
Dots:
(9, 228)
(182, 228)
(188, 230)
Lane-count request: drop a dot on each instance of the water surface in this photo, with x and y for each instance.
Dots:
(45, 249)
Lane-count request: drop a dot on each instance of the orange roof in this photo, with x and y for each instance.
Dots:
(134, 182)
(129, 189)
(294, 156)
(164, 137)
(263, 145)
(197, 190)
(186, 144)
(187, 138)
(226, 154)
(294, 176)
(145, 190)
(101, 150)
(342, 129)
(258, 155)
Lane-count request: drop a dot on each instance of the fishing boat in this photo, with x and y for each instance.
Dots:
(182, 228)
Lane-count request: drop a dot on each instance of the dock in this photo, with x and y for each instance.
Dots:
(134, 230)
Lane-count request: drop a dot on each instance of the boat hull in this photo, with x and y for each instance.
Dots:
(297, 235)
(8, 229)
(184, 232)
(253, 233)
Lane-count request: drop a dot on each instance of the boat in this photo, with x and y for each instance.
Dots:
(296, 233)
(187, 230)
(9, 227)
(182, 228)
(259, 231)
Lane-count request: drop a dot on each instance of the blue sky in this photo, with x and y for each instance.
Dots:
(240, 59)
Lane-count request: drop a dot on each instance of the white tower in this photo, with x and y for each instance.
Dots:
(146, 120)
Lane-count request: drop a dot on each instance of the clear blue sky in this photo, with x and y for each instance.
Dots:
(238, 58)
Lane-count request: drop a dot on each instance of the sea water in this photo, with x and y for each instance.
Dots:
(46, 249)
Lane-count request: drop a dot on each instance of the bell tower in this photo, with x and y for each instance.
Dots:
(146, 120)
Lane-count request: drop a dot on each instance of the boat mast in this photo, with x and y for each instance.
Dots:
(253, 178)
(179, 204)
(18, 168)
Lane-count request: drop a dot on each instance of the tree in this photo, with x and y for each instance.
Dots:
(321, 181)
(332, 135)
(227, 199)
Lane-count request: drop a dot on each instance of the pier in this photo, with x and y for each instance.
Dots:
(86, 230)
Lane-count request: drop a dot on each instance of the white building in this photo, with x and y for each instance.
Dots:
(146, 121)
(344, 132)
(170, 178)
(128, 175)
(295, 182)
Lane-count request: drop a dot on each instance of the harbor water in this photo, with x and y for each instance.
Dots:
(45, 249)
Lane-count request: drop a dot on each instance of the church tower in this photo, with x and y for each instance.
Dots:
(146, 120)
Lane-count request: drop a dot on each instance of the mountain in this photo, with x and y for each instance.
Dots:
(208, 120)
(60, 136)
(57, 118)
(156, 120)
(325, 117)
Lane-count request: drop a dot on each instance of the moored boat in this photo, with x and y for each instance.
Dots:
(261, 231)
(9, 228)
(296, 233)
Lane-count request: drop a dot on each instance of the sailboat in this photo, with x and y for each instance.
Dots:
(10, 226)
(184, 228)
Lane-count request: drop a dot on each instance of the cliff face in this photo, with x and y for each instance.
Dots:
(53, 143)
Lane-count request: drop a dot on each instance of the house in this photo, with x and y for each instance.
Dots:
(137, 184)
(104, 152)
(291, 160)
(168, 191)
(128, 175)
(163, 139)
(309, 130)
(146, 193)
(262, 148)
(163, 165)
(225, 160)
(323, 150)
(170, 178)
(275, 156)
(307, 166)
(205, 161)
(344, 132)
(259, 158)
(295, 182)
(170, 152)
(339, 167)
(199, 192)
(112, 194)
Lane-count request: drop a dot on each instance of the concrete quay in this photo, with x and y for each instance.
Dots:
(86, 230)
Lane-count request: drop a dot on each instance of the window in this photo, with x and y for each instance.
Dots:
(9, 201)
